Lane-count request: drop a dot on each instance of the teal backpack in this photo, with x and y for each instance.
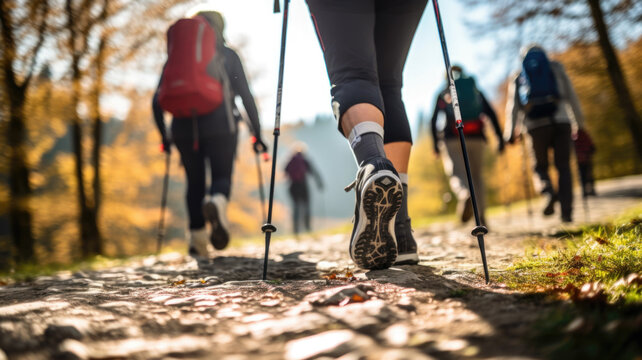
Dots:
(470, 102)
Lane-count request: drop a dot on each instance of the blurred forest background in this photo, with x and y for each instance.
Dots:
(76, 182)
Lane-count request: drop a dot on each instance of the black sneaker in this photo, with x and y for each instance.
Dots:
(465, 209)
(214, 210)
(378, 198)
(549, 209)
(406, 244)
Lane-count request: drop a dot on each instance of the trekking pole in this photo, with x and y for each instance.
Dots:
(480, 230)
(268, 228)
(260, 175)
(527, 184)
(161, 222)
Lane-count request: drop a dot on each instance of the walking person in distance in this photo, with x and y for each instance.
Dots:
(474, 110)
(543, 104)
(200, 81)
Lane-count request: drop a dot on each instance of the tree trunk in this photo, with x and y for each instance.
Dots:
(20, 190)
(617, 77)
(97, 143)
(89, 233)
(20, 219)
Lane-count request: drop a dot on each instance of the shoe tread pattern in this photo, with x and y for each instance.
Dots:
(376, 248)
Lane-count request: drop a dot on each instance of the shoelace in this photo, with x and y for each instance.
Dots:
(350, 186)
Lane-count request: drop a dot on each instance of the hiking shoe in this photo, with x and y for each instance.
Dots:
(198, 244)
(214, 210)
(406, 244)
(465, 209)
(378, 198)
(549, 209)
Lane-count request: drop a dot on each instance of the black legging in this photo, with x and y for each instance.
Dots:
(219, 152)
(365, 44)
(300, 205)
(557, 137)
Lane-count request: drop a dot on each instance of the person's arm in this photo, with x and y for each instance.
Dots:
(241, 87)
(488, 111)
(512, 112)
(312, 170)
(572, 98)
(159, 119)
(433, 122)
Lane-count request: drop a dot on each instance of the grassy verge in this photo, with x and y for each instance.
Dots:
(598, 277)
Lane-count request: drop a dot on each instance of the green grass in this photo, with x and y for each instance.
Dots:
(602, 254)
(597, 275)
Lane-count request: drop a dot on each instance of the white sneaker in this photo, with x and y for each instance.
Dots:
(199, 244)
(215, 212)
(378, 197)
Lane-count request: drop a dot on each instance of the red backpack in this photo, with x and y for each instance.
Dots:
(186, 87)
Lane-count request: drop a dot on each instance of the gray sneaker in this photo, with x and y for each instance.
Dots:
(378, 197)
(406, 244)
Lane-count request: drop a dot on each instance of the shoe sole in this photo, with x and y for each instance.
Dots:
(219, 236)
(407, 259)
(373, 244)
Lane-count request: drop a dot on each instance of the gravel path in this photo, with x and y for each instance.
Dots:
(168, 307)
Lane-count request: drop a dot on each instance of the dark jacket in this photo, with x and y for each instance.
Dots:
(217, 122)
(441, 105)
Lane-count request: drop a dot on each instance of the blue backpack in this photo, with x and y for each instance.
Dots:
(538, 93)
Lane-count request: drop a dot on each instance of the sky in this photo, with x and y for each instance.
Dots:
(252, 26)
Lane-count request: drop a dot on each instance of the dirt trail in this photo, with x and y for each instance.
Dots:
(168, 307)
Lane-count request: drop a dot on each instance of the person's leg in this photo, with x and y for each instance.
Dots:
(194, 165)
(220, 153)
(562, 151)
(295, 193)
(541, 140)
(584, 180)
(395, 26)
(346, 34)
(455, 169)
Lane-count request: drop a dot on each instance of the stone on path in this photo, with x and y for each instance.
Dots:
(58, 333)
(72, 350)
(332, 343)
(341, 295)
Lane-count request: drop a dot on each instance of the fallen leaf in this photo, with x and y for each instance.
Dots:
(357, 298)
(203, 281)
(601, 240)
(179, 282)
(331, 276)
(349, 274)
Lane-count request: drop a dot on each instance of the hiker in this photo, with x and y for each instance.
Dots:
(208, 139)
(584, 150)
(365, 44)
(474, 109)
(297, 170)
(538, 102)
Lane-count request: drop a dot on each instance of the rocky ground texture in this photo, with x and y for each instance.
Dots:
(316, 305)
